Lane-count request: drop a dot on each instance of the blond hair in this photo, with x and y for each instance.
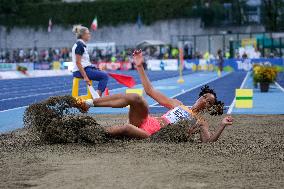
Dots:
(79, 30)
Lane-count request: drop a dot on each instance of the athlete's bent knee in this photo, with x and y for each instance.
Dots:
(134, 98)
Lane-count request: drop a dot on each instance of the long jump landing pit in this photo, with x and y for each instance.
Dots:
(249, 154)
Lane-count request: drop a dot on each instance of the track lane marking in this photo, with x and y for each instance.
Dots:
(17, 108)
(234, 101)
(44, 88)
(279, 86)
(159, 106)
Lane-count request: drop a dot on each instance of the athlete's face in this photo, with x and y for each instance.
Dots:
(205, 101)
(86, 36)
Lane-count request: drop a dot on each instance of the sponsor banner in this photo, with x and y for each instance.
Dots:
(273, 61)
(13, 66)
(42, 66)
(125, 66)
(68, 65)
(230, 64)
(238, 64)
(190, 64)
(114, 65)
(201, 65)
(7, 67)
(246, 64)
(157, 65)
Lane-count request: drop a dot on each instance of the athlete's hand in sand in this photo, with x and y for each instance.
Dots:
(138, 58)
(228, 120)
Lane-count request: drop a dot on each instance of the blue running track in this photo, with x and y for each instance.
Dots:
(23, 92)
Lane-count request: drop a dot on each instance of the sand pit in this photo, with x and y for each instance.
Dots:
(248, 155)
(57, 120)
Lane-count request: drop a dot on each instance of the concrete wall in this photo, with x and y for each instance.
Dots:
(127, 34)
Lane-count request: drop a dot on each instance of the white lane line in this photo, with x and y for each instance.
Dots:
(195, 87)
(279, 86)
(29, 90)
(27, 96)
(43, 88)
(159, 106)
(40, 94)
(31, 85)
(13, 109)
(53, 85)
(234, 101)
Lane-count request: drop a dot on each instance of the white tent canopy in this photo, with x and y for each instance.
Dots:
(148, 43)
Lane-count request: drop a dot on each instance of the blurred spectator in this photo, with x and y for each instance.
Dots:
(220, 59)
(100, 55)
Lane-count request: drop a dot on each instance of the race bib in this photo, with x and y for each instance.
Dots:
(177, 114)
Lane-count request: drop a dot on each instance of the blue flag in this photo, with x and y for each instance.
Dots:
(139, 21)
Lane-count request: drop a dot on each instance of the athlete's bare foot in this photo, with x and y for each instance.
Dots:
(82, 105)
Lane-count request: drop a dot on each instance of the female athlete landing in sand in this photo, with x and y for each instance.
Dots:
(142, 125)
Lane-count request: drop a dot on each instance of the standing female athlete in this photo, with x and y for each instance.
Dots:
(142, 125)
(82, 67)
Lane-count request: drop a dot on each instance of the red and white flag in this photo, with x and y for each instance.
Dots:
(95, 24)
(49, 25)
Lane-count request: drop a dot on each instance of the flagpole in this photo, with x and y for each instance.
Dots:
(180, 80)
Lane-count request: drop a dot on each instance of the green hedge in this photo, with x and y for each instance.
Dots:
(110, 12)
(36, 13)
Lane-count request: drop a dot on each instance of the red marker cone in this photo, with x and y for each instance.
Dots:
(106, 92)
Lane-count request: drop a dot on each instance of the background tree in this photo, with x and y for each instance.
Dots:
(273, 14)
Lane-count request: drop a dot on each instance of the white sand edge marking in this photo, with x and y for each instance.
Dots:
(279, 86)
(234, 101)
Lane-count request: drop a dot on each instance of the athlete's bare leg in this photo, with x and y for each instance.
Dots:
(138, 110)
(127, 130)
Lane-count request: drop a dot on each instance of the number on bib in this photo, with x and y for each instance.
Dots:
(177, 114)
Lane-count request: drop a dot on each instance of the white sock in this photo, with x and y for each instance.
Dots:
(89, 102)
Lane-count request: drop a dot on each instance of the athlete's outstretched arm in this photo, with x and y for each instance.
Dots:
(149, 89)
(206, 136)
